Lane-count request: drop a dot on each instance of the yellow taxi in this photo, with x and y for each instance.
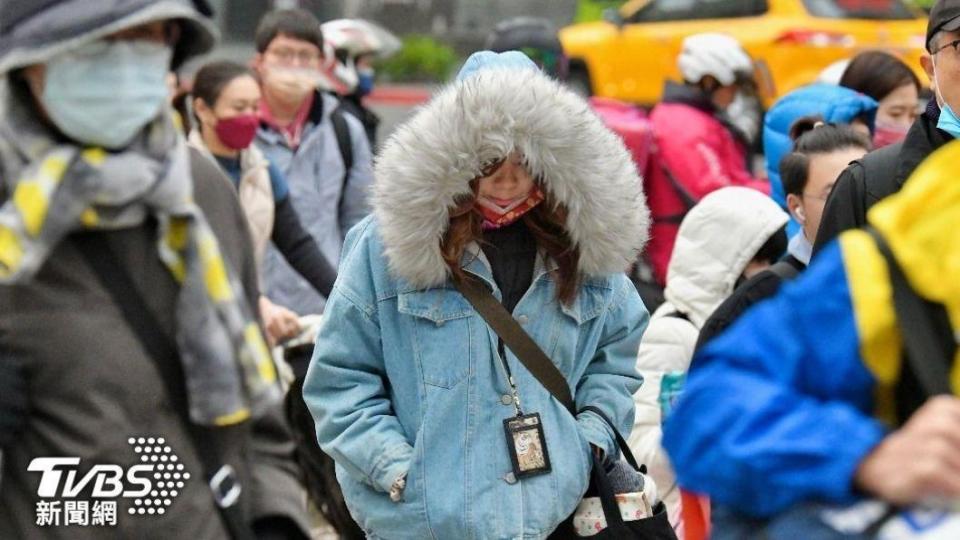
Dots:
(628, 55)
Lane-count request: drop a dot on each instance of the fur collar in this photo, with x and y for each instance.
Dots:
(429, 161)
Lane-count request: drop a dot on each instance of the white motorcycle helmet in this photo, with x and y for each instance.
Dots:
(345, 41)
(716, 55)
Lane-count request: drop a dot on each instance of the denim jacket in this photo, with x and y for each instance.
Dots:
(408, 381)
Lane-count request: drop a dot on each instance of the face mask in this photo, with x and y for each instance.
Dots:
(949, 121)
(887, 134)
(291, 85)
(364, 81)
(496, 216)
(103, 93)
(237, 132)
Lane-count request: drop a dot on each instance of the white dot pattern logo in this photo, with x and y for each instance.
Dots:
(155, 453)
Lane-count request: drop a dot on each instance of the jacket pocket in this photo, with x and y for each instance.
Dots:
(441, 337)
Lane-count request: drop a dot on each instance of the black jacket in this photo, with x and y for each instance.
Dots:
(760, 287)
(877, 175)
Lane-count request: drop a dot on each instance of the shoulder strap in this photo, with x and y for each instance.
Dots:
(784, 270)
(688, 199)
(928, 353)
(514, 336)
(344, 140)
(222, 479)
(345, 143)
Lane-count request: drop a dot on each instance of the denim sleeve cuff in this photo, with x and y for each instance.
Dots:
(597, 432)
(391, 465)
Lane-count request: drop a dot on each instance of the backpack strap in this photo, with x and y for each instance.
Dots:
(345, 143)
(688, 200)
(928, 351)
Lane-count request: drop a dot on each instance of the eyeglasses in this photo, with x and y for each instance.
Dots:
(955, 44)
(287, 56)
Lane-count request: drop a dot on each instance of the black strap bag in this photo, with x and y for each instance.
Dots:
(656, 527)
(222, 479)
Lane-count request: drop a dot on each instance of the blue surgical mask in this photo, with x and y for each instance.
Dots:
(365, 79)
(103, 93)
(949, 121)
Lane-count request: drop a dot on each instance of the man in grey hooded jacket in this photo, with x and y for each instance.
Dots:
(323, 152)
(92, 167)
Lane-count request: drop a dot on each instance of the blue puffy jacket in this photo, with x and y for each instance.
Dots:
(834, 103)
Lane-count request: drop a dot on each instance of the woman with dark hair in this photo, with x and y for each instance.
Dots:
(820, 153)
(224, 99)
(893, 84)
(506, 179)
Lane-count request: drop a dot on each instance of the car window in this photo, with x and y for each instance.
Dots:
(678, 10)
(859, 9)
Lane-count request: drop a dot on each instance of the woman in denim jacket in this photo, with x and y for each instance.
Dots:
(507, 178)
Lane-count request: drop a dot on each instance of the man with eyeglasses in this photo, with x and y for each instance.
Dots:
(323, 152)
(883, 172)
(131, 353)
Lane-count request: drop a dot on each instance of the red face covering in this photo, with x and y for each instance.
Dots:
(887, 134)
(237, 132)
(496, 214)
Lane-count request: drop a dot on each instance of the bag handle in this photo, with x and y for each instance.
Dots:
(515, 337)
(221, 477)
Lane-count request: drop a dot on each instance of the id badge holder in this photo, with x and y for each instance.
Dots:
(527, 445)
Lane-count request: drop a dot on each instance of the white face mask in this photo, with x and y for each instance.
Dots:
(103, 93)
(291, 85)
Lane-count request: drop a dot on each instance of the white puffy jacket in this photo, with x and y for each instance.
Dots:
(716, 241)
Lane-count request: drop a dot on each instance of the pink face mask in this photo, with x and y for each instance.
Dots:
(887, 134)
(497, 215)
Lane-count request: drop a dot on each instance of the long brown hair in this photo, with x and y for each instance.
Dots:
(547, 222)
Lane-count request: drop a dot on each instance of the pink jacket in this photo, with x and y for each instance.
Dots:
(703, 156)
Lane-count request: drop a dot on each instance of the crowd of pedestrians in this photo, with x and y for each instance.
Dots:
(526, 318)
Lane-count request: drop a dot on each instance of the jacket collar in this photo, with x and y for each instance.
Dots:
(688, 95)
(922, 140)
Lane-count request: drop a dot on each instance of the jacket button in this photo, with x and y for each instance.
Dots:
(439, 323)
(523, 319)
(510, 478)
(506, 399)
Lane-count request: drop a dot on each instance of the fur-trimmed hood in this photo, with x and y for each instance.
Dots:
(428, 163)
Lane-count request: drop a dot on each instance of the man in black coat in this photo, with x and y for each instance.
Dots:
(883, 172)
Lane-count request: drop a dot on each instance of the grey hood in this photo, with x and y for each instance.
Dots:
(34, 31)
(429, 162)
